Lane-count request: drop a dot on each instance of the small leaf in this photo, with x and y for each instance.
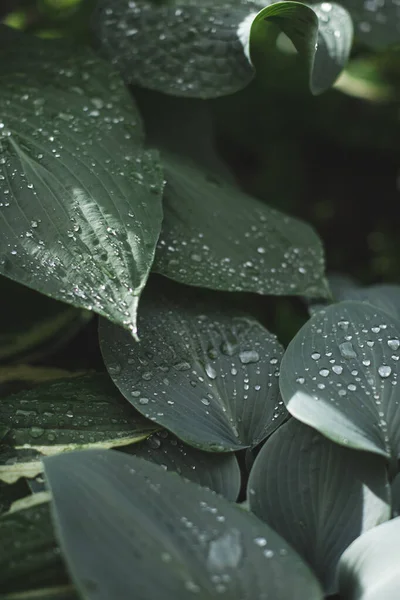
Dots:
(205, 373)
(60, 416)
(218, 472)
(321, 33)
(218, 237)
(128, 529)
(369, 569)
(31, 556)
(339, 375)
(206, 50)
(81, 200)
(317, 495)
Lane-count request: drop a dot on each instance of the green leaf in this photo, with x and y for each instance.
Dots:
(128, 529)
(33, 325)
(31, 556)
(369, 569)
(339, 375)
(214, 48)
(218, 472)
(216, 236)
(323, 39)
(83, 412)
(317, 495)
(376, 24)
(204, 372)
(81, 199)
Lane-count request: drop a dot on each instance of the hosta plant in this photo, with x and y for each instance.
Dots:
(201, 458)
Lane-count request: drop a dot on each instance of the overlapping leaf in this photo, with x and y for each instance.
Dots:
(317, 495)
(206, 50)
(218, 472)
(72, 413)
(80, 208)
(216, 236)
(205, 373)
(369, 569)
(128, 529)
(340, 375)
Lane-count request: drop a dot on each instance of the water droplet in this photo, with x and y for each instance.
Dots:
(347, 350)
(324, 372)
(315, 356)
(394, 344)
(260, 541)
(143, 400)
(300, 380)
(384, 371)
(249, 356)
(36, 432)
(338, 369)
(211, 372)
(182, 366)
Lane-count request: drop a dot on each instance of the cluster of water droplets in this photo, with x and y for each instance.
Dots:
(69, 414)
(60, 173)
(261, 250)
(355, 362)
(185, 48)
(206, 373)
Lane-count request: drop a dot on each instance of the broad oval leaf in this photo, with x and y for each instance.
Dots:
(204, 372)
(83, 412)
(129, 529)
(258, 249)
(369, 569)
(206, 50)
(218, 472)
(81, 200)
(317, 495)
(340, 374)
(30, 558)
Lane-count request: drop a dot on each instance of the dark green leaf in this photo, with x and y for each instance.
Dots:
(323, 39)
(340, 374)
(30, 558)
(32, 325)
(81, 199)
(207, 374)
(128, 529)
(218, 472)
(317, 495)
(214, 48)
(81, 412)
(216, 236)
(369, 569)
